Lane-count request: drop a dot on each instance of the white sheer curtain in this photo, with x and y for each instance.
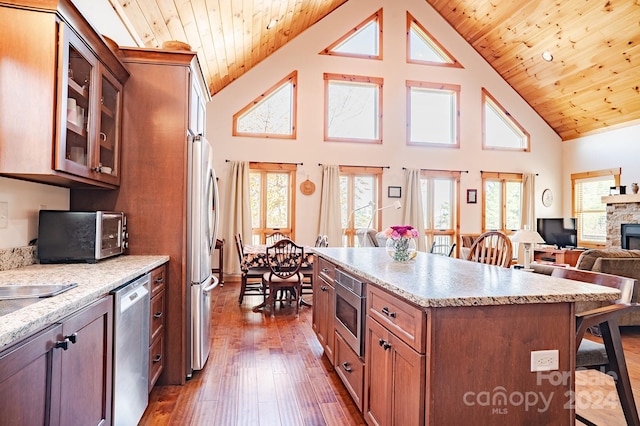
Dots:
(238, 212)
(330, 223)
(528, 213)
(412, 211)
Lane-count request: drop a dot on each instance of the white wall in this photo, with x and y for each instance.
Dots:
(309, 148)
(615, 148)
(25, 199)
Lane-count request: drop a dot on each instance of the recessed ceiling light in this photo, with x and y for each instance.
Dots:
(272, 24)
(547, 56)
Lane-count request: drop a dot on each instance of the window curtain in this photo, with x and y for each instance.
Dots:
(238, 212)
(412, 211)
(330, 223)
(528, 213)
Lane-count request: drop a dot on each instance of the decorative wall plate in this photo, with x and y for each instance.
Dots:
(547, 197)
(307, 187)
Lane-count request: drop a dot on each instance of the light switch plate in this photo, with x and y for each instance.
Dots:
(4, 214)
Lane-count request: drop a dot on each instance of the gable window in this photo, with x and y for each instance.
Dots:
(359, 194)
(439, 191)
(433, 114)
(272, 197)
(587, 207)
(353, 108)
(272, 114)
(500, 129)
(422, 48)
(363, 41)
(502, 202)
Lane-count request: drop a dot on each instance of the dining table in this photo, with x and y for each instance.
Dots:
(254, 256)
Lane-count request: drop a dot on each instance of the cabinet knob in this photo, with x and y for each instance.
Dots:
(323, 288)
(73, 338)
(159, 280)
(157, 315)
(347, 367)
(385, 345)
(64, 344)
(157, 358)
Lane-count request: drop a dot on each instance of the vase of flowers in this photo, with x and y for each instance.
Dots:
(401, 243)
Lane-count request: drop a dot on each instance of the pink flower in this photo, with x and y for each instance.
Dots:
(397, 232)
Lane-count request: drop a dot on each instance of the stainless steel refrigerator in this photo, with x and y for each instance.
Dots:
(202, 229)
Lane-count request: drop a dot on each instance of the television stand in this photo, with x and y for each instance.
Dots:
(560, 256)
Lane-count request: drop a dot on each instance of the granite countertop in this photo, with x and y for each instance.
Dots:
(438, 281)
(94, 281)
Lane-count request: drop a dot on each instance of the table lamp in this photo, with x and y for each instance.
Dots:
(395, 205)
(527, 237)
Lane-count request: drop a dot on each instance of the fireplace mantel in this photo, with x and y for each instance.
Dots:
(621, 199)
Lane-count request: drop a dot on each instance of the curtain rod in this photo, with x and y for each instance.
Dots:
(441, 170)
(348, 165)
(513, 173)
(270, 162)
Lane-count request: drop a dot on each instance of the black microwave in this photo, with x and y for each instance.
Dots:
(74, 236)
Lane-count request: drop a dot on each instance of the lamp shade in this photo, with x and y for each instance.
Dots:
(527, 236)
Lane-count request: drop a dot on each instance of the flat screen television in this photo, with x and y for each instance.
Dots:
(561, 232)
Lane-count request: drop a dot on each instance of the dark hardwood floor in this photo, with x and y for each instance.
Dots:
(261, 371)
(264, 371)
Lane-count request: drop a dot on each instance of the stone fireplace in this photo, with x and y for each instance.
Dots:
(622, 209)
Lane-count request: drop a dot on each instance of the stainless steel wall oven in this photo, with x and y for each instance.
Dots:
(350, 310)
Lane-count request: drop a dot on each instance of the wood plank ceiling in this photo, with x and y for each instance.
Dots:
(592, 83)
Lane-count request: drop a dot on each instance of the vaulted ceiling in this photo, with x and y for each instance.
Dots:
(592, 83)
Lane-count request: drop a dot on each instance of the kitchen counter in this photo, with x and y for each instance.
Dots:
(94, 281)
(438, 281)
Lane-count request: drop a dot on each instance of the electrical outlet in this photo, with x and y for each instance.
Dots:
(544, 360)
(4, 214)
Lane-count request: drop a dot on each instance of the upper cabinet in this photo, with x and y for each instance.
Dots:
(64, 88)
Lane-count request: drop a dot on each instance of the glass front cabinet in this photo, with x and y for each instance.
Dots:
(89, 112)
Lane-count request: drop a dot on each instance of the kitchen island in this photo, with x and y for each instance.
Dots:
(449, 341)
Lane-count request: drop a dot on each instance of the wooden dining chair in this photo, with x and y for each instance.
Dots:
(285, 259)
(609, 355)
(442, 249)
(272, 238)
(492, 248)
(251, 278)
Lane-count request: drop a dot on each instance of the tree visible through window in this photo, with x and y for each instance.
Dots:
(439, 206)
(353, 108)
(589, 210)
(272, 114)
(502, 201)
(272, 199)
(359, 196)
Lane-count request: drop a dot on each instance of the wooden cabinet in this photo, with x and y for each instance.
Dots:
(394, 379)
(156, 322)
(63, 374)
(560, 256)
(350, 368)
(65, 87)
(324, 305)
(156, 111)
(395, 360)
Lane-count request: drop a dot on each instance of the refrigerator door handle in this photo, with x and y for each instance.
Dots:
(214, 284)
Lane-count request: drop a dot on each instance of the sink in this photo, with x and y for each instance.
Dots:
(9, 292)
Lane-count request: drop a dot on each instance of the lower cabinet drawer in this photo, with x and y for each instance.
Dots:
(156, 316)
(156, 360)
(350, 368)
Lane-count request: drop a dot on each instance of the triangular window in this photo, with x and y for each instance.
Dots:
(363, 41)
(272, 114)
(501, 130)
(422, 48)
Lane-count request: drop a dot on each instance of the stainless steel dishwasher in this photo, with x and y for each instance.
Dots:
(131, 351)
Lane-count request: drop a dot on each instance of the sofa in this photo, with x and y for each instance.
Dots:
(625, 263)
